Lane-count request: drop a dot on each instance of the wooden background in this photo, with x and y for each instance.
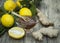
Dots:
(51, 8)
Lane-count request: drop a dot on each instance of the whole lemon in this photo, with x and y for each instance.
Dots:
(25, 12)
(7, 20)
(9, 5)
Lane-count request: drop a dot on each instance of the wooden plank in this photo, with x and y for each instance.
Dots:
(11, 40)
(3, 38)
(6, 39)
(27, 38)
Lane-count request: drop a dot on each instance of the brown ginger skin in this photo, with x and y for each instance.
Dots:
(43, 19)
(37, 35)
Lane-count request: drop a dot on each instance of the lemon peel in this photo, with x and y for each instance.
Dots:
(25, 12)
(9, 5)
(7, 20)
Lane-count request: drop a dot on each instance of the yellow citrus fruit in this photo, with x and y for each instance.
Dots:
(18, 4)
(9, 0)
(25, 12)
(19, 0)
(16, 32)
(7, 20)
(9, 5)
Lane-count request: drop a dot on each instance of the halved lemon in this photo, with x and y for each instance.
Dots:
(16, 32)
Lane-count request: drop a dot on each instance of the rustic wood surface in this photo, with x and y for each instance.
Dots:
(51, 8)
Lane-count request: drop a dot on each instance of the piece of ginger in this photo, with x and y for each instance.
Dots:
(50, 31)
(43, 18)
(37, 35)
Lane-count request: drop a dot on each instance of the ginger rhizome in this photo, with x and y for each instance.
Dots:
(43, 18)
(48, 31)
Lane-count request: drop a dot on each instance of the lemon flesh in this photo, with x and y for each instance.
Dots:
(9, 5)
(16, 32)
(7, 20)
(25, 12)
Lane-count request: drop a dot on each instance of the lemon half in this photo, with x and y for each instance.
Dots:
(16, 32)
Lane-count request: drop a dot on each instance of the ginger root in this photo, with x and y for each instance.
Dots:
(43, 19)
(37, 35)
(49, 31)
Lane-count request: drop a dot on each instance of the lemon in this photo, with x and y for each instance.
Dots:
(19, 0)
(25, 12)
(9, 0)
(7, 20)
(9, 5)
(18, 4)
(16, 32)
